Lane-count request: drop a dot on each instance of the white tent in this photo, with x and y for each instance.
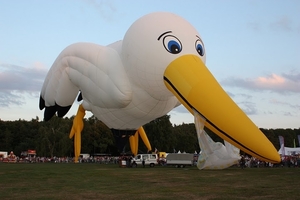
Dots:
(288, 151)
(3, 154)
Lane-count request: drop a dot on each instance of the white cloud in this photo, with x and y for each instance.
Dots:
(284, 23)
(293, 106)
(8, 98)
(285, 83)
(248, 107)
(16, 80)
(105, 9)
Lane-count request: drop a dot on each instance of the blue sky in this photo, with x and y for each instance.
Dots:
(252, 46)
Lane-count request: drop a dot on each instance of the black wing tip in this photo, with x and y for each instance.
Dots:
(62, 110)
(42, 103)
(51, 110)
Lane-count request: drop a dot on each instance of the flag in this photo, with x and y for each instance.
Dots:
(281, 142)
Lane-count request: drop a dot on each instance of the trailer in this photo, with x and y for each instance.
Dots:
(180, 159)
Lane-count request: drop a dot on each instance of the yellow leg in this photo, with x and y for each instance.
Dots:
(144, 138)
(76, 131)
(134, 141)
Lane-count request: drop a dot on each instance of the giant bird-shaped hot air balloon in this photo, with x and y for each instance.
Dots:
(159, 64)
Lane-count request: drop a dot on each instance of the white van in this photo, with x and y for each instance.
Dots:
(150, 160)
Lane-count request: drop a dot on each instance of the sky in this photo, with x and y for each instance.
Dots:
(252, 46)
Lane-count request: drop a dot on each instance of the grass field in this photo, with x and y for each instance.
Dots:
(100, 181)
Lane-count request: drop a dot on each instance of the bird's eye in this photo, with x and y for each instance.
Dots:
(199, 47)
(172, 44)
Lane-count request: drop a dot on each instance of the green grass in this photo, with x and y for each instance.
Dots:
(100, 181)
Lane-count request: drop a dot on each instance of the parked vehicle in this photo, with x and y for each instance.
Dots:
(180, 159)
(149, 160)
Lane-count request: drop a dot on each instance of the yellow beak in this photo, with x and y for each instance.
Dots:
(191, 82)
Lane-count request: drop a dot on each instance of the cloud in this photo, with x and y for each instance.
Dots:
(284, 23)
(293, 76)
(105, 9)
(254, 26)
(180, 109)
(15, 80)
(284, 83)
(294, 107)
(8, 98)
(248, 107)
(230, 94)
(246, 96)
(18, 78)
(289, 114)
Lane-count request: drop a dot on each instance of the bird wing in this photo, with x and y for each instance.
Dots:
(96, 71)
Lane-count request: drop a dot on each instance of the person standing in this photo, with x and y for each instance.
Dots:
(242, 162)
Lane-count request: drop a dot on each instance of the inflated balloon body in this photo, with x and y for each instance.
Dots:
(159, 64)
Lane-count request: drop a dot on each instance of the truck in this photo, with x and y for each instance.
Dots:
(149, 159)
(180, 159)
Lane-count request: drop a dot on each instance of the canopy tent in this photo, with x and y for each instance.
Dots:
(288, 151)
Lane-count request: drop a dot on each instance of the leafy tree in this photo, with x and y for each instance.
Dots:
(97, 137)
(270, 134)
(51, 133)
(160, 134)
(52, 138)
(186, 136)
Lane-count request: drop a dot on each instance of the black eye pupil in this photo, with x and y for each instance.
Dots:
(199, 49)
(172, 44)
(174, 49)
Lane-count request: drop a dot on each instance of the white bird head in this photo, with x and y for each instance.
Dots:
(153, 42)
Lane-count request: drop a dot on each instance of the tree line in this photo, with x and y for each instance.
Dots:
(52, 138)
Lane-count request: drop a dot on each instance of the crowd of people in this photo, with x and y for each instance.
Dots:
(245, 161)
(286, 161)
(91, 159)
